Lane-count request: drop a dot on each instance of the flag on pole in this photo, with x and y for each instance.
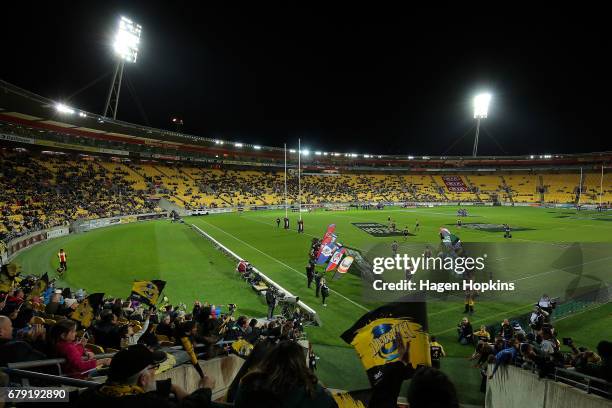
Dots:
(147, 291)
(39, 287)
(86, 310)
(327, 238)
(335, 259)
(374, 337)
(345, 264)
(8, 274)
(326, 252)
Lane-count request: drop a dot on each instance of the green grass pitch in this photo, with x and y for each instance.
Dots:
(109, 259)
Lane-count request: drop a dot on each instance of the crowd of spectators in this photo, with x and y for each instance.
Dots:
(45, 191)
(537, 347)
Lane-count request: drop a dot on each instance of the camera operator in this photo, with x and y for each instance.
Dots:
(537, 319)
(547, 305)
(271, 302)
(465, 332)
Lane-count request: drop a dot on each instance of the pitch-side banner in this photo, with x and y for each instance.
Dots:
(374, 337)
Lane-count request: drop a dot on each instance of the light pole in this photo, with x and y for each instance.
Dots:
(178, 122)
(481, 108)
(127, 41)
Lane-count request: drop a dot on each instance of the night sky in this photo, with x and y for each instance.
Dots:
(388, 81)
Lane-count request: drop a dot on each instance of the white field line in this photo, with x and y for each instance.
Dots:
(284, 264)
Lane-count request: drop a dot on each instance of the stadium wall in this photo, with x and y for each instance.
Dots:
(514, 387)
(222, 369)
(16, 245)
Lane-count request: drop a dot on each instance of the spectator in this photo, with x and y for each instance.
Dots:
(258, 354)
(602, 369)
(389, 381)
(131, 383)
(506, 331)
(482, 334)
(107, 332)
(505, 356)
(13, 351)
(282, 380)
(63, 344)
(165, 327)
(517, 330)
(431, 388)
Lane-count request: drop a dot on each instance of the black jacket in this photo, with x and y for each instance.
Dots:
(92, 398)
(254, 396)
(270, 298)
(387, 387)
(108, 335)
(15, 351)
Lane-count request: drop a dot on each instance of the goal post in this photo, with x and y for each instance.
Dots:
(595, 187)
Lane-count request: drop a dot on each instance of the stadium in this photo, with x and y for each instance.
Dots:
(209, 250)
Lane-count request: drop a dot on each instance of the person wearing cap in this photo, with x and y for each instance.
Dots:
(131, 383)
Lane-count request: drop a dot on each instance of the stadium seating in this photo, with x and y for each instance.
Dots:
(55, 189)
(522, 187)
(560, 188)
(46, 191)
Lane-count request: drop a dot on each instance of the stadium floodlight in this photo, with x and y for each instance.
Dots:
(61, 108)
(237, 144)
(126, 47)
(305, 152)
(82, 114)
(127, 40)
(291, 150)
(318, 153)
(481, 110)
(366, 156)
(481, 105)
(256, 147)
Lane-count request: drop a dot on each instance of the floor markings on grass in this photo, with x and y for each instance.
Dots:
(284, 264)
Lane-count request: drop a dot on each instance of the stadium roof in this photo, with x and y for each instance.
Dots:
(25, 108)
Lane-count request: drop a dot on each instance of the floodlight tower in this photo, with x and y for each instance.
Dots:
(127, 41)
(481, 108)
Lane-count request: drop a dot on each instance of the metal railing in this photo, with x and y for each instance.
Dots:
(587, 383)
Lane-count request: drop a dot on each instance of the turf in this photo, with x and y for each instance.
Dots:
(109, 259)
